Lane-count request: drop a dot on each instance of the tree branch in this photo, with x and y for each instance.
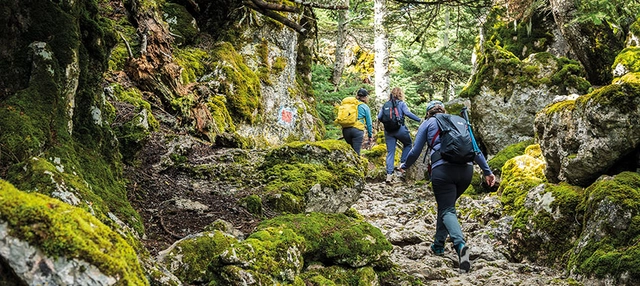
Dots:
(468, 3)
(273, 15)
(275, 7)
(322, 6)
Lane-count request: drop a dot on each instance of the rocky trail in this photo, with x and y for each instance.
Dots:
(406, 214)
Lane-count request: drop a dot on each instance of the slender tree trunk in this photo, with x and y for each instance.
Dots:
(338, 67)
(381, 49)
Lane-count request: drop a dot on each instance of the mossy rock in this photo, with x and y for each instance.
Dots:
(181, 23)
(497, 162)
(190, 258)
(274, 252)
(239, 84)
(627, 61)
(336, 238)
(292, 170)
(335, 275)
(61, 230)
(519, 175)
(609, 247)
(545, 227)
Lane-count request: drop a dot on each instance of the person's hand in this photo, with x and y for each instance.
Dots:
(372, 140)
(491, 180)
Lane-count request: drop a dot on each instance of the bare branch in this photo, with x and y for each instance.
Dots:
(322, 6)
(273, 15)
(275, 7)
(468, 3)
(127, 44)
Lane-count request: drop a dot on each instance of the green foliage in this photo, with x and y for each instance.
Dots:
(617, 13)
(61, 230)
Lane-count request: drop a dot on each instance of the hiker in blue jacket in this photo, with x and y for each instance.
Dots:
(402, 134)
(449, 182)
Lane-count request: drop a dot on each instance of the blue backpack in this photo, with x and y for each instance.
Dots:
(390, 116)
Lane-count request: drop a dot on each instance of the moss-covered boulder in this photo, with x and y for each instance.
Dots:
(595, 134)
(609, 246)
(322, 176)
(46, 241)
(336, 239)
(331, 249)
(507, 92)
(519, 175)
(190, 258)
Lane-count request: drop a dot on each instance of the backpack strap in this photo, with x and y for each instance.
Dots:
(436, 154)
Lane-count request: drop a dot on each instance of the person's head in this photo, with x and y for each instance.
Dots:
(397, 93)
(434, 107)
(362, 95)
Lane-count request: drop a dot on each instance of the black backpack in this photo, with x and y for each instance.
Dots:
(456, 145)
(390, 116)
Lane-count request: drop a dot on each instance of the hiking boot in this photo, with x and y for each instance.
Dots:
(463, 255)
(437, 250)
(389, 178)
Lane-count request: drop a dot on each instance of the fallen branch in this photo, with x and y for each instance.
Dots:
(127, 44)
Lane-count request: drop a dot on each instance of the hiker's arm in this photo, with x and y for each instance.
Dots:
(422, 137)
(380, 114)
(367, 119)
(489, 177)
(407, 112)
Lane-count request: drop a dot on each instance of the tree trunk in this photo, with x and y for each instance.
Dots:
(338, 67)
(381, 49)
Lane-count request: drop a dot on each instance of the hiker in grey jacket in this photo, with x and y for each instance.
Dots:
(449, 182)
(402, 134)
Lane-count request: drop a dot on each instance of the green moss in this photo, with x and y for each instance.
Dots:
(199, 253)
(621, 96)
(335, 237)
(334, 275)
(291, 170)
(561, 106)
(181, 23)
(64, 231)
(519, 175)
(507, 153)
(279, 65)
(253, 204)
(547, 234)
(136, 127)
(240, 84)
(570, 74)
(194, 63)
(617, 242)
(272, 251)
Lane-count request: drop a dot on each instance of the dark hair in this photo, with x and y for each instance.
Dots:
(362, 92)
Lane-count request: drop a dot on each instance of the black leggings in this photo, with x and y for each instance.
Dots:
(449, 183)
(354, 137)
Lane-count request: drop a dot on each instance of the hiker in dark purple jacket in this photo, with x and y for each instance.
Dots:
(449, 181)
(402, 134)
